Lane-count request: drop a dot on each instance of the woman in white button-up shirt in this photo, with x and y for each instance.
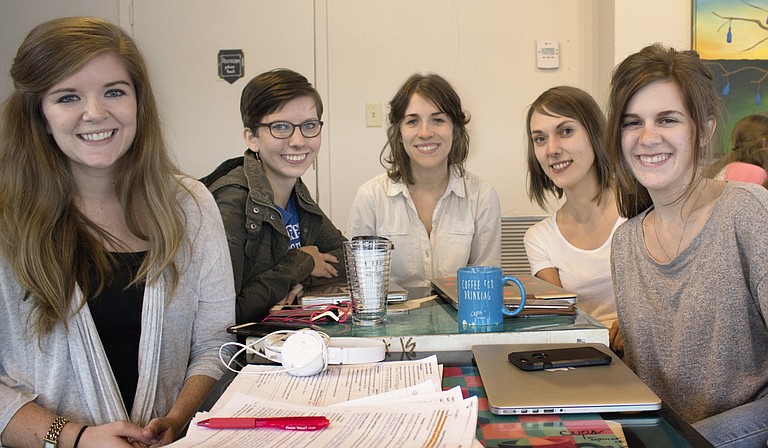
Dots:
(439, 217)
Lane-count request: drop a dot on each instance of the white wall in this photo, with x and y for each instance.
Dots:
(626, 27)
(360, 51)
(17, 17)
(642, 23)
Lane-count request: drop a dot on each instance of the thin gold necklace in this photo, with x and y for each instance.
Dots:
(685, 226)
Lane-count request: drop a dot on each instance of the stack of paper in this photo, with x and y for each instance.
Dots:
(392, 404)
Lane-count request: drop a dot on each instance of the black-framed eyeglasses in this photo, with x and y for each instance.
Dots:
(285, 129)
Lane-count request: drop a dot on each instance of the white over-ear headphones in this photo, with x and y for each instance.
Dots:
(303, 353)
(308, 352)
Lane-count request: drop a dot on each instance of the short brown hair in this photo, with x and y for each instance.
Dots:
(269, 91)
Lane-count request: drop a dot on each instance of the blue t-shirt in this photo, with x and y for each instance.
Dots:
(291, 220)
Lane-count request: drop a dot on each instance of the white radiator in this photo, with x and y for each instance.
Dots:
(513, 258)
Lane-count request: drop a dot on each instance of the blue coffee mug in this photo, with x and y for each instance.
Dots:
(481, 295)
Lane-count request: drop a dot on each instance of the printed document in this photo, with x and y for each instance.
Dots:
(390, 404)
(441, 424)
(338, 383)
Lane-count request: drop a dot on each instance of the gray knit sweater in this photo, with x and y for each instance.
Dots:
(695, 329)
(68, 373)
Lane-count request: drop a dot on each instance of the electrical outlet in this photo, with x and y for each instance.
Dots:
(373, 115)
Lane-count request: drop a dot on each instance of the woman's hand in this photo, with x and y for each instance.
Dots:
(290, 299)
(162, 430)
(614, 338)
(323, 266)
(31, 421)
(117, 435)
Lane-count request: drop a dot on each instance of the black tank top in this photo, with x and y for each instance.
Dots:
(116, 312)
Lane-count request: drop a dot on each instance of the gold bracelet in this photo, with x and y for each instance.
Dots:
(51, 439)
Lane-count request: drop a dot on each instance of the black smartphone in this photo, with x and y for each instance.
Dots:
(559, 357)
(264, 328)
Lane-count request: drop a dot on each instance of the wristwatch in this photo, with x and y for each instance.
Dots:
(51, 439)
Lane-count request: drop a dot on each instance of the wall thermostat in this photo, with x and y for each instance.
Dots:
(547, 54)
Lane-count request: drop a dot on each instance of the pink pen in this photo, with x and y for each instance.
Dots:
(288, 423)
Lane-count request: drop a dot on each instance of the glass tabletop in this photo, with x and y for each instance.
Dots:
(436, 316)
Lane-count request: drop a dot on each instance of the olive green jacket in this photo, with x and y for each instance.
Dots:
(265, 269)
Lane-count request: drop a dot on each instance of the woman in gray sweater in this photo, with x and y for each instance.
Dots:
(690, 264)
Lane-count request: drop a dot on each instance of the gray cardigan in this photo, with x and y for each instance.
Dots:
(68, 373)
(695, 329)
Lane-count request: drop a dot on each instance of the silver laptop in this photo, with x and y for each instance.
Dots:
(334, 292)
(536, 291)
(604, 388)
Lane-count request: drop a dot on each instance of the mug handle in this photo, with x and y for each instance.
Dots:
(504, 309)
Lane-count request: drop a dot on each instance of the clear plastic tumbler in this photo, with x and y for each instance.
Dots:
(367, 260)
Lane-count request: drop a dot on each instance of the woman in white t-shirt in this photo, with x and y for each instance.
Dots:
(566, 157)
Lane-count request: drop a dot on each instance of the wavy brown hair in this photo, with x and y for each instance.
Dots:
(702, 103)
(576, 104)
(44, 237)
(436, 89)
(749, 143)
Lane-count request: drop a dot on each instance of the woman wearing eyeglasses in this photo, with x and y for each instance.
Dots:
(279, 238)
(439, 216)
